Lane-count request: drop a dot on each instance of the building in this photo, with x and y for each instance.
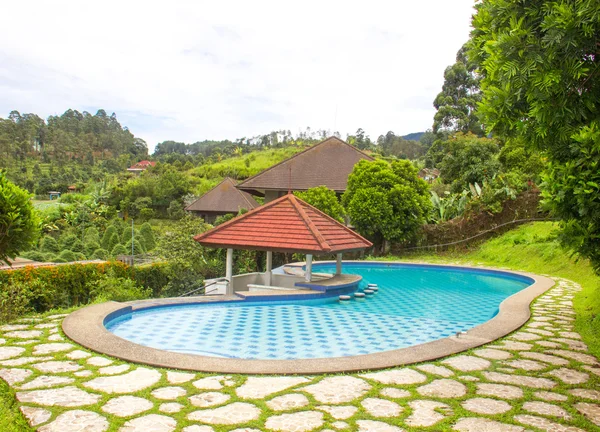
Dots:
(328, 163)
(141, 166)
(223, 199)
(429, 174)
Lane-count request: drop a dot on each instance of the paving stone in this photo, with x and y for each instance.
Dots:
(546, 409)
(425, 414)
(260, 387)
(11, 327)
(338, 389)
(240, 430)
(113, 370)
(465, 363)
(586, 394)
(570, 376)
(210, 383)
(51, 348)
(56, 337)
(26, 342)
(10, 352)
(550, 396)
(99, 361)
(57, 367)
(548, 344)
(486, 406)
(83, 373)
(381, 407)
(179, 377)
(204, 400)
(196, 428)
(514, 346)
(473, 424)
(14, 376)
(170, 407)
(169, 393)
(468, 378)
(545, 358)
(131, 382)
(436, 370)
(492, 354)
(376, 426)
(443, 388)
(570, 335)
(150, 423)
(24, 334)
(78, 354)
(571, 343)
(395, 393)
(45, 381)
(57, 316)
(545, 424)
(593, 369)
(235, 413)
(340, 425)
(77, 421)
(339, 412)
(126, 406)
(521, 380)
(23, 360)
(35, 416)
(288, 402)
(402, 376)
(296, 422)
(591, 411)
(2, 341)
(65, 397)
(525, 336)
(45, 326)
(580, 357)
(528, 365)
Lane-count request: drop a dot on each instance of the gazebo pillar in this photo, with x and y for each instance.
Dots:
(308, 272)
(229, 271)
(338, 264)
(269, 273)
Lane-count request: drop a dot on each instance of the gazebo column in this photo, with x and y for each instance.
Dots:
(229, 271)
(269, 273)
(308, 272)
(338, 264)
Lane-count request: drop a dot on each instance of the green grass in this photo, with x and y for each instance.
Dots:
(11, 419)
(535, 248)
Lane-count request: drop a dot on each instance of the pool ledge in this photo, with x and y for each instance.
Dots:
(86, 327)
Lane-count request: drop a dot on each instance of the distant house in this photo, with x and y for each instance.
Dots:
(223, 199)
(429, 174)
(328, 163)
(141, 166)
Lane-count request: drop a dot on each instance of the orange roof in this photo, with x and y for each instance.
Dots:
(142, 165)
(287, 224)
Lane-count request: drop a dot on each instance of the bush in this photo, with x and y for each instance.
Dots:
(147, 236)
(125, 234)
(49, 244)
(101, 254)
(119, 249)
(108, 233)
(77, 246)
(114, 240)
(137, 247)
(90, 247)
(34, 255)
(49, 257)
(67, 241)
(115, 288)
(14, 301)
(175, 210)
(67, 256)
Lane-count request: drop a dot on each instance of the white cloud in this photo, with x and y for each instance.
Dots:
(210, 70)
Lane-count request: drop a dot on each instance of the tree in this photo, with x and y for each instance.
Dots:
(540, 67)
(325, 200)
(457, 102)
(19, 223)
(386, 202)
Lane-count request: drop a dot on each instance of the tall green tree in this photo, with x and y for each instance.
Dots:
(540, 67)
(456, 104)
(19, 223)
(386, 202)
(325, 200)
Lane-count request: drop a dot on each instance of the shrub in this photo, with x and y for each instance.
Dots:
(115, 288)
(90, 247)
(137, 247)
(77, 246)
(49, 244)
(125, 234)
(67, 241)
(175, 210)
(49, 257)
(92, 234)
(101, 254)
(34, 255)
(14, 301)
(106, 237)
(114, 240)
(147, 236)
(119, 249)
(66, 256)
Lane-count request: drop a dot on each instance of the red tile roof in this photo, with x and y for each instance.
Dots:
(224, 198)
(142, 165)
(328, 163)
(287, 224)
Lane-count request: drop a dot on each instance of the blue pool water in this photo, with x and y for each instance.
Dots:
(415, 304)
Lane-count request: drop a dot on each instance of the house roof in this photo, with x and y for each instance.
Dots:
(328, 163)
(141, 165)
(224, 198)
(286, 224)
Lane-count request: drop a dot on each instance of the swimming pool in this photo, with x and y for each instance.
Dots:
(415, 304)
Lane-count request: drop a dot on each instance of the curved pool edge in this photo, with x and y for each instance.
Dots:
(86, 327)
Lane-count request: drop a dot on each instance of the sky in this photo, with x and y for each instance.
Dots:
(194, 70)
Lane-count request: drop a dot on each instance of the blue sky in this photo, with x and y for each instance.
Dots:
(198, 70)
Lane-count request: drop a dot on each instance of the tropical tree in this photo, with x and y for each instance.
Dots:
(19, 223)
(386, 202)
(325, 200)
(540, 67)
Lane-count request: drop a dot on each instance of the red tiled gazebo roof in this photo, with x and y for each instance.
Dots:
(287, 224)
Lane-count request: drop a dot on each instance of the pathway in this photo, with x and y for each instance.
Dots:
(539, 378)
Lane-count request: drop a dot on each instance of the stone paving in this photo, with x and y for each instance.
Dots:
(540, 378)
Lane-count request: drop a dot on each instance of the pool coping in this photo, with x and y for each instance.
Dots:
(86, 327)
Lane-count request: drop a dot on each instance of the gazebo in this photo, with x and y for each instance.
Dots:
(287, 225)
